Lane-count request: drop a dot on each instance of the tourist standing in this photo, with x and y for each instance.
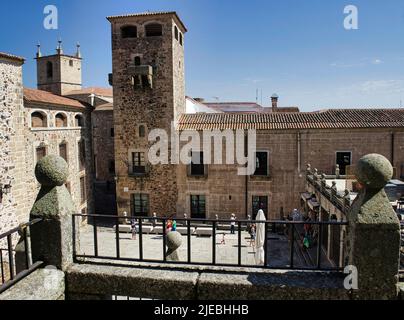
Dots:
(233, 224)
(154, 220)
(134, 231)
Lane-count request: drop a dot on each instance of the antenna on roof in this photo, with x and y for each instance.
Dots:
(256, 95)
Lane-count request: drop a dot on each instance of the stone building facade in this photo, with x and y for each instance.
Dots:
(36, 123)
(286, 138)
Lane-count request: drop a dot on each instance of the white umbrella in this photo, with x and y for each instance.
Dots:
(260, 239)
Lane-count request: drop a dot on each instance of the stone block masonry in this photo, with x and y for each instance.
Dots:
(11, 139)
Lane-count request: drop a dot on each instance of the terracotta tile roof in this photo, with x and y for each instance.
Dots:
(11, 57)
(145, 14)
(105, 92)
(44, 97)
(328, 119)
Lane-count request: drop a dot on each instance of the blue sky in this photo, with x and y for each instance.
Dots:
(298, 49)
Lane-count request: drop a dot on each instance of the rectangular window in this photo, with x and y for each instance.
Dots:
(138, 163)
(112, 132)
(82, 153)
(83, 191)
(198, 207)
(259, 203)
(343, 160)
(40, 153)
(63, 151)
(261, 164)
(140, 205)
(197, 166)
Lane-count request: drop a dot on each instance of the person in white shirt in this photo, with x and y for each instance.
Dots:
(233, 224)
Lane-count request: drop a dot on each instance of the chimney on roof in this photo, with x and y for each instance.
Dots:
(274, 100)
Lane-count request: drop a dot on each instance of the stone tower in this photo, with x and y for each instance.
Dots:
(149, 93)
(59, 73)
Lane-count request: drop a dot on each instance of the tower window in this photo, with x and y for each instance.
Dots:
(49, 70)
(181, 38)
(129, 32)
(154, 30)
(38, 120)
(138, 62)
(142, 131)
(176, 33)
(71, 63)
(60, 120)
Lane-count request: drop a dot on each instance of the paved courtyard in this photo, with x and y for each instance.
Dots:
(201, 247)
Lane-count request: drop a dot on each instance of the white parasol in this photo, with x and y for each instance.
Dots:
(260, 239)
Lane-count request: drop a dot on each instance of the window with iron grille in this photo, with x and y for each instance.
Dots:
(197, 165)
(261, 159)
(198, 207)
(138, 163)
(140, 205)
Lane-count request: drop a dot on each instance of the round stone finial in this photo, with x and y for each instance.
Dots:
(52, 171)
(174, 240)
(374, 171)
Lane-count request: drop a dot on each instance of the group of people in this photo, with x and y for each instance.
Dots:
(171, 225)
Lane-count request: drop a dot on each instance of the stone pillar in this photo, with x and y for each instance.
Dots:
(373, 233)
(51, 239)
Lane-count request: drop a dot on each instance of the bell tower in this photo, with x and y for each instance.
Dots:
(59, 73)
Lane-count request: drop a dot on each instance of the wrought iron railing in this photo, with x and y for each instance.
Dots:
(8, 240)
(286, 229)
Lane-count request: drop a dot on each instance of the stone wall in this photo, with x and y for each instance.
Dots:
(11, 139)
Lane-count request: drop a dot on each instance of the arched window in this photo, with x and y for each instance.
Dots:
(49, 69)
(138, 62)
(129, 32)
(60, 120)
(38, 120)
(154, 30)
(142, 131)
(176, 32)
(79, 121)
